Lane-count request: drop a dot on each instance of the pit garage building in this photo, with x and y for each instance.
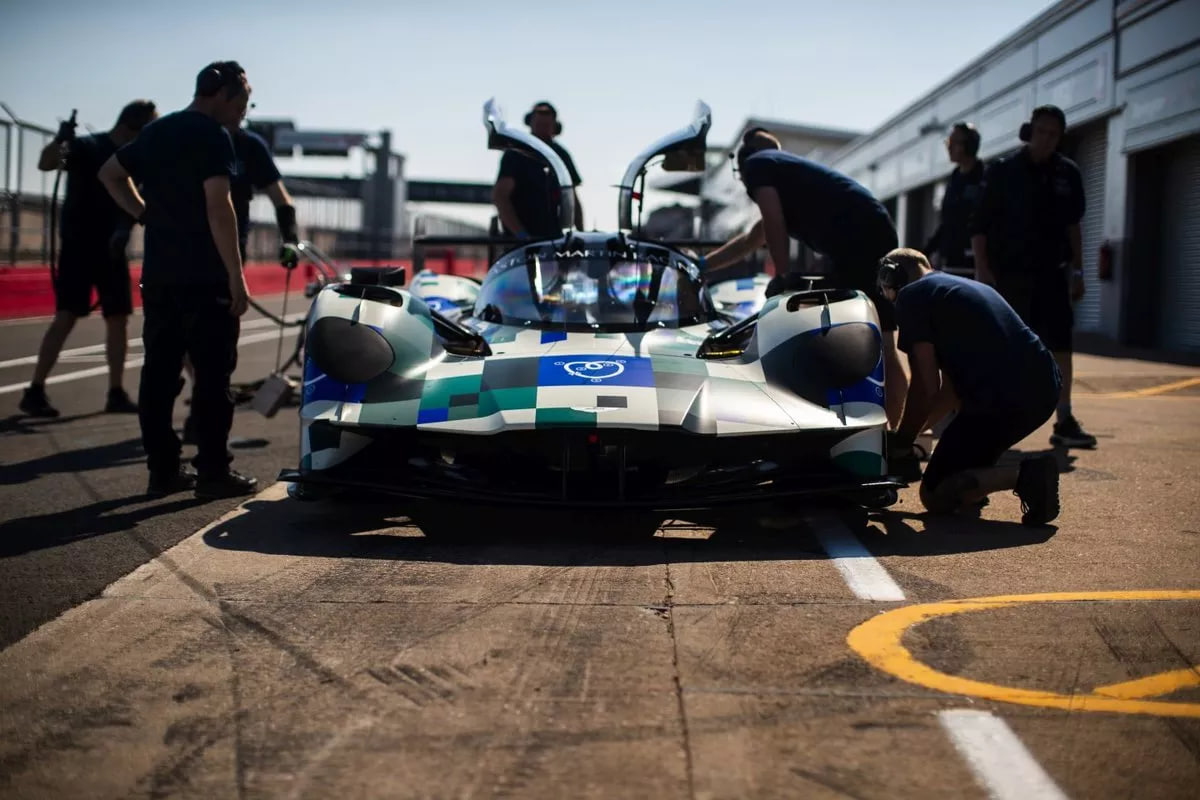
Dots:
(1127, 74)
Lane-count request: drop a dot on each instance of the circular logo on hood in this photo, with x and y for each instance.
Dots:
(595, 371)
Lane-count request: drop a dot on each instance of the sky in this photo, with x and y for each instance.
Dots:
(621, 73)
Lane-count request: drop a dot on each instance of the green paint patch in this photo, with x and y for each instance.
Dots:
(436, 392)
(549, 417)
(512, 399)
(860, 462)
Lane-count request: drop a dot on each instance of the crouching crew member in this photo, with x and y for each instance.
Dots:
(1006, 381)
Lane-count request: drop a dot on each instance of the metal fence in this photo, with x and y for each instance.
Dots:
(336, 224)
(26, 199)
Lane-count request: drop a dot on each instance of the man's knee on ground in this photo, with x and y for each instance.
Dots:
(947, 495)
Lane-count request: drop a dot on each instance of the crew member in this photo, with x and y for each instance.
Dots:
(963, 339)
(1027, 244)
(831, 214)
(526, 194)
(950, 246)
(193, 289)
(95, 235)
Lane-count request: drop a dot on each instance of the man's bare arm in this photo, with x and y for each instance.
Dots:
(222, 222)
(735, 249)
(774, 226)
(52, 157)
(922, 389)
(502, 199)
(118, 183)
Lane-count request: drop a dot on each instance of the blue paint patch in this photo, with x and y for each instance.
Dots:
(427, 415)
(548, 337)
(590, 370)
(744, 283)
(439, 304)
(319, 386)
(862, 392)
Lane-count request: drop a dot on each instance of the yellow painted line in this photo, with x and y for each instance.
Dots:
(1149, 391)
(1152, 686)
(879, 642)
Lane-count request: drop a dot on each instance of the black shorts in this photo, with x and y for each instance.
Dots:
(1043, 300)
(858, 268)
(974, 439)
(82, 266)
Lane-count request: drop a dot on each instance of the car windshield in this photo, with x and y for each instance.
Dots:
(577, 290)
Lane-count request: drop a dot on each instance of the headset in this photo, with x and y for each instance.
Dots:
(225, 75)
(1026, 131)
(892, 274)
(971, 135)
(544, 106)
(738, 157)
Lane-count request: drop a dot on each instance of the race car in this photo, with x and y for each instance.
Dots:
(592, 369)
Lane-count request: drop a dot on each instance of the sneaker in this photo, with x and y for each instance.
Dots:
(1037, 486)
(35, 403)
(1068, 433)
(230, 484)
(189, 430)
(119, 403)
(163, 484)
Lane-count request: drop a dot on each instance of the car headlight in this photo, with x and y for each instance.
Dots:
(347, 351)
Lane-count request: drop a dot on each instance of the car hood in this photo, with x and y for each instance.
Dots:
(538, 379)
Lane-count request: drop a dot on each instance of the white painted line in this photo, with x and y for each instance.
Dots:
(265, 336)
(863, 574)
(1001, 763)
(93, 349)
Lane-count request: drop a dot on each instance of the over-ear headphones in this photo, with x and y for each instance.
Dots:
(971, 137)
(1026, 131)
(892, 274)
(745, 151)
(545, 107)
(225, 75)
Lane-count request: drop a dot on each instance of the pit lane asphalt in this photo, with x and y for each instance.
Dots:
(72, 515)
(313, 650)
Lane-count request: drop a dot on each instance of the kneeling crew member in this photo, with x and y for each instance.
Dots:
(1006, 381)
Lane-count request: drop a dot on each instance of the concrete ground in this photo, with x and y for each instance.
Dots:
(280, 649)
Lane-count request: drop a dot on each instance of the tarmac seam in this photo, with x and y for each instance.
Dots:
(678, 680)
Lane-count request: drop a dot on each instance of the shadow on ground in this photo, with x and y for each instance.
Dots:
(477, 535)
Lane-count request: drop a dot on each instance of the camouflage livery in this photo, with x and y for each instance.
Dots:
(536, 379)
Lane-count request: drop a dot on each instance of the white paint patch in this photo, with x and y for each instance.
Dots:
(865, 576)
(79, 375)
(1000, 762)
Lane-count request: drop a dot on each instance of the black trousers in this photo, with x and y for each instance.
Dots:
(192, 320)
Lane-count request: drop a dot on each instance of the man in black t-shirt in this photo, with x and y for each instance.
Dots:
(950, 246)
(95, 232)
(963, 339)
(830, 213)
(193, 289)
(526, 193)
(1028, 244)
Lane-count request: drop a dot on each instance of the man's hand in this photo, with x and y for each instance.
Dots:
(66, 131)
(289, 257)
(239, 296)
